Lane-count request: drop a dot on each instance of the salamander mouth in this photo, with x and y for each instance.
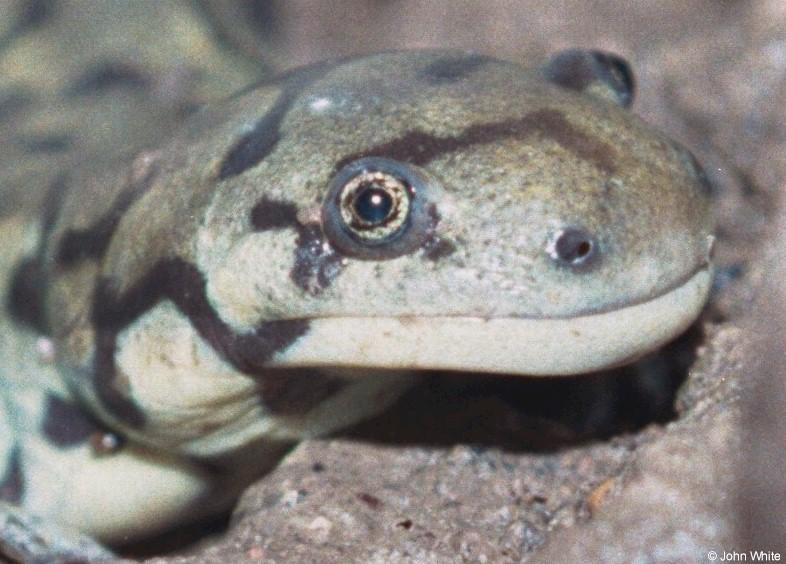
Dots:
(537, 347)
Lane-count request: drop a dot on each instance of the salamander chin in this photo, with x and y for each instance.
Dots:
(537, 347)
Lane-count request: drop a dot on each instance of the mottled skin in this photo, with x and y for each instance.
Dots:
(170, 288)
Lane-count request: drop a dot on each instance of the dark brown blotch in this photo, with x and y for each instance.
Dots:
(273, 214)
(253, 147)
(65, 424)
(250, 352)
(316, 264)
(32, 15)
(46, 144)
(12, 484)
(92, 242)
(438, 248)
(14, 101)
(184, 285)
(454, 68)
(25, 299)
(553, 124)
(107, 75)
(420, 148)
(23, 17)
(265, 17)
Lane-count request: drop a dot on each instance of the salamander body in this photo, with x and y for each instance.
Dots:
(285, 264)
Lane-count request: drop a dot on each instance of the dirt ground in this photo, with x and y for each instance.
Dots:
(666, 464)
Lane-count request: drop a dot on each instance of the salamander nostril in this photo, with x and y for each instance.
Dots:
(583, 249)
(572, 246)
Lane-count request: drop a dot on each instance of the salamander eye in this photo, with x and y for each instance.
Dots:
(572, 246)
(375, 205)
(377, 209)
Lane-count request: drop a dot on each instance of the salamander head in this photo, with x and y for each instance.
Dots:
(445, 210)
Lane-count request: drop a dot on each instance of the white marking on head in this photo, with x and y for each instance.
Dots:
(320, 104)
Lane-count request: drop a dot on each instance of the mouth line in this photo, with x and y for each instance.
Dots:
(586, 312)
(503, 345)
(676, 284)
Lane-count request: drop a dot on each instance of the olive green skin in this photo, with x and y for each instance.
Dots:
(158, 271)
(576, 161)
(510, 158)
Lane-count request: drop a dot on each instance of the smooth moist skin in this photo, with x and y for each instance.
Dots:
(289, 260)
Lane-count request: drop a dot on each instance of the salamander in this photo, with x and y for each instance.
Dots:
(292, 257)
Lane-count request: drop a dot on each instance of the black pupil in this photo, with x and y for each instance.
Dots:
(372, 205)
(573, 246)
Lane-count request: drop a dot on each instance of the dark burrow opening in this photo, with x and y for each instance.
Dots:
(537, 414)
